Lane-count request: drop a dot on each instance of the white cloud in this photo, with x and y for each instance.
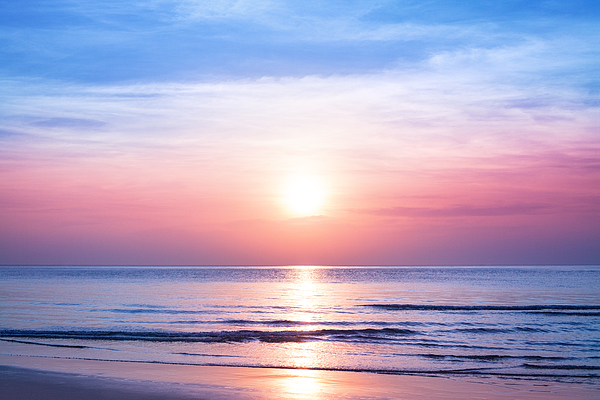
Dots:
(467, 97)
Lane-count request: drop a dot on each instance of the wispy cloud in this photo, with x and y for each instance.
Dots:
(186, 116)
(462, 211)
(466, 99)
(178, 40)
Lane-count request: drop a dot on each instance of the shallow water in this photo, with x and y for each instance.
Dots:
(525, 322)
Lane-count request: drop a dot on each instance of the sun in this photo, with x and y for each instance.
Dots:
(304, 196)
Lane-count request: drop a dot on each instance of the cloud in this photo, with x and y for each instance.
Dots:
(461, 211)
(198, 40)
(4, 133)
(223, 9)
(187, 116)
(218, 151)
(461, 101)
(73, 123)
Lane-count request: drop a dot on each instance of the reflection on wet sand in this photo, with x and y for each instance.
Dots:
(304, 382)
(136, 381)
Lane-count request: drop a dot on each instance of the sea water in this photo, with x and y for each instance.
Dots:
(513, 322)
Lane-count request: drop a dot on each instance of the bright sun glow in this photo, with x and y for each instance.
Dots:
(304, 196)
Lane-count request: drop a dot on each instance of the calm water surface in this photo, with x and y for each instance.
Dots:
(525, 322)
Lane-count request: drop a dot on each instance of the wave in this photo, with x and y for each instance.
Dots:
(238, 336)
(571, 367)
(492, 357)
(70, 346)
(549, 309)
(153, 311)
(483, 372)
(518, 329)
(208, 355)
(580, 314)
(288, 323)
(530, 308)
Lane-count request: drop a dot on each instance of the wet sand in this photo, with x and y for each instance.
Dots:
(37, 378)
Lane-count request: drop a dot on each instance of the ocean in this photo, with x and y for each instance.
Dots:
(503, 322)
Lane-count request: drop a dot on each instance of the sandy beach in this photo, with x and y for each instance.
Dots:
(35, 378)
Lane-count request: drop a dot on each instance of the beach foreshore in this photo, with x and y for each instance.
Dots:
(39, 378)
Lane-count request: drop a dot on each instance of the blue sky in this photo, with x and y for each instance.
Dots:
(166, 131)
(113, 41)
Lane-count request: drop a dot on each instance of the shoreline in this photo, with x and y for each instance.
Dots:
(445, 373)
(34, 378)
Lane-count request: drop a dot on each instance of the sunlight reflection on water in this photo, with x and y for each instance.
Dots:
(527, 321)
(305, 295)
(302, 355)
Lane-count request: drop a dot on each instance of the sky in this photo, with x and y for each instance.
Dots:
(279, 132)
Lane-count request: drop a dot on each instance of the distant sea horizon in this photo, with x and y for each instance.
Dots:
(524, 265)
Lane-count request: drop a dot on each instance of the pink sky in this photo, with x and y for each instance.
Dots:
(195, 173)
